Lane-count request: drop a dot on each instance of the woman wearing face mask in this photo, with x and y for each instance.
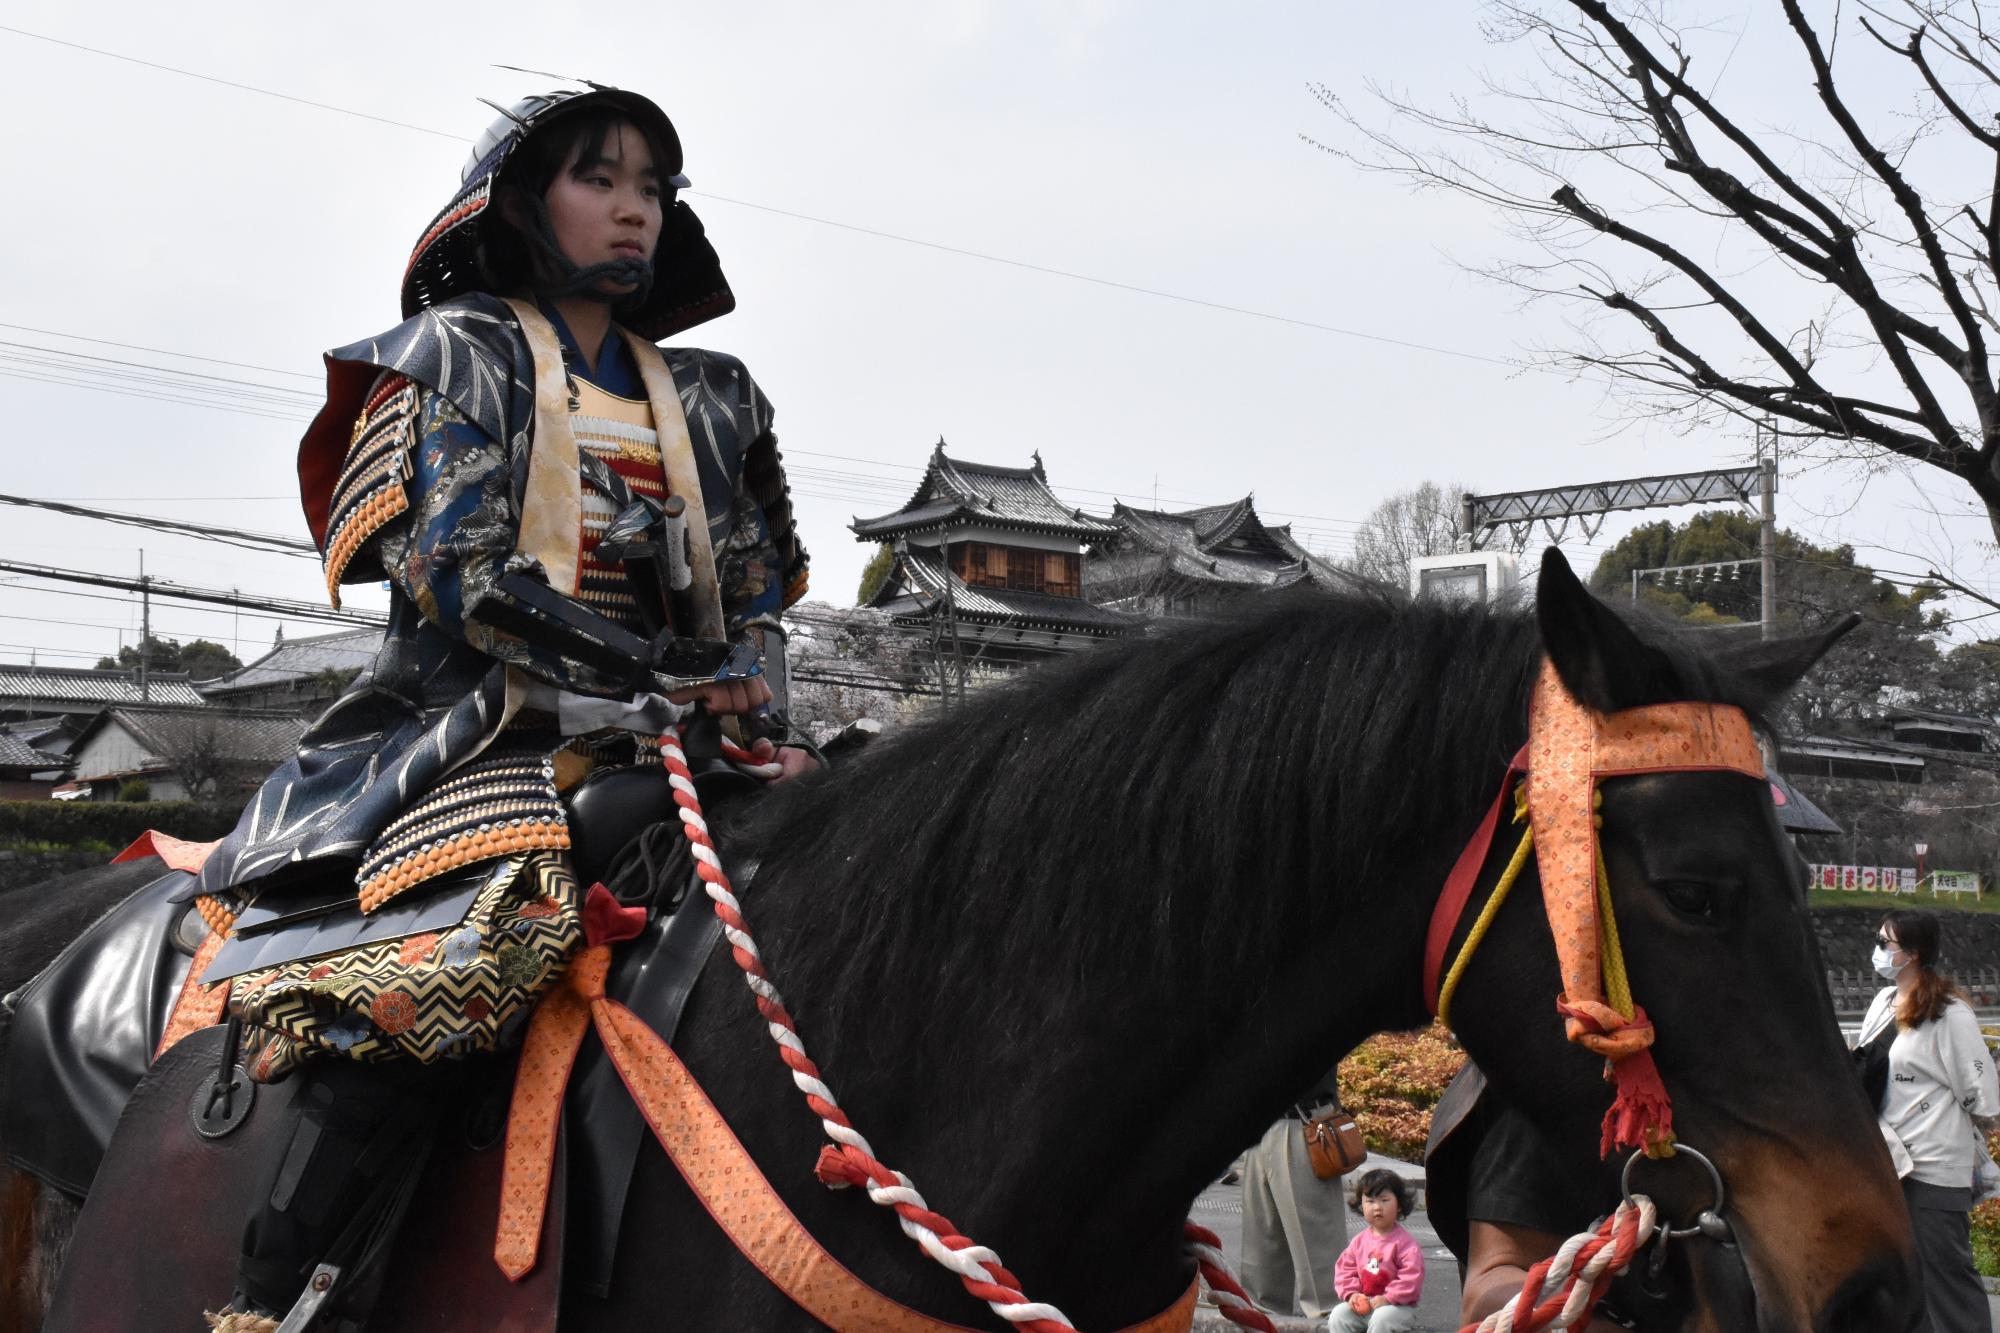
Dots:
(1941, 1099)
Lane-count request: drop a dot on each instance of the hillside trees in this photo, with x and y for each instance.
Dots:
(1895, 655)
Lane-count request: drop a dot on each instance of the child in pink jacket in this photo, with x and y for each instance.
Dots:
(1380, 1275)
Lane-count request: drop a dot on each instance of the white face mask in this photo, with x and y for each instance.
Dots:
(1886, 966)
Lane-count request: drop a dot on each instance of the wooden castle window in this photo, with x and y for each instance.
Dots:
(984, 565)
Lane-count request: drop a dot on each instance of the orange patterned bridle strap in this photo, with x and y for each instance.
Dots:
(1570, 748)
(699, 1142)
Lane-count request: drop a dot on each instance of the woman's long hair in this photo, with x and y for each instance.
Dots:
(1917, 935)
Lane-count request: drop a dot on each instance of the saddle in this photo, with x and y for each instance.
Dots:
(126, 972)
(84, 1030)
(164, 1227)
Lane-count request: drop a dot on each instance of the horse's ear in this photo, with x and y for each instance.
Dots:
(1603, 664)
(1765, 672)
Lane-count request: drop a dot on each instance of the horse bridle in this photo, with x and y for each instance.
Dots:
(1570, 749)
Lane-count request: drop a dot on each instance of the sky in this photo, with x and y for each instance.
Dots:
(1140, 149)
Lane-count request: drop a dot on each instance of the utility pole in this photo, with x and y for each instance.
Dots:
(1767, 494)
(145, 628)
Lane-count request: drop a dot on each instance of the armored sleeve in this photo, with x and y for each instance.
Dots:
(763, 565)
(432, 506)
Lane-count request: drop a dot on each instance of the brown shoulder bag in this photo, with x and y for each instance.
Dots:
(1333, 1143)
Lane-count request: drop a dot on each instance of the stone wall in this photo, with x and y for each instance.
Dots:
(1971, 949)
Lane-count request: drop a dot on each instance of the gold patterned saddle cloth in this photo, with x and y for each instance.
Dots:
(461, 914)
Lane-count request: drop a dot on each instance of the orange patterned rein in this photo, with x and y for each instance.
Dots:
(697, 1140)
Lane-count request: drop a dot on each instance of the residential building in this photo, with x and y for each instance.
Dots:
(297, 675)
(183, 753)
(40, 692)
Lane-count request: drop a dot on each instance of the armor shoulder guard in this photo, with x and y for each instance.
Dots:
(469, 350)
(369, 491)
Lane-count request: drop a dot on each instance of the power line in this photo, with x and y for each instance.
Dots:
(162, 351)
(193, 609)
(272, 391)
(961, 251)
(184, 592)
(250, 541)
(52, 652)
(231, 83)
(1113, 283)
(128, 392)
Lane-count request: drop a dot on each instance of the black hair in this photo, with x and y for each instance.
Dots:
(1384, 1181)
(506, 256)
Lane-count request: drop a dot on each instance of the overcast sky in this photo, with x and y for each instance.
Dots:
(1155, 145)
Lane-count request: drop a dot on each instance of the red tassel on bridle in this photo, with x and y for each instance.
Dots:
(1641, 1116)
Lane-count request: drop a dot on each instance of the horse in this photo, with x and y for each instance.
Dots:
(1064, 951)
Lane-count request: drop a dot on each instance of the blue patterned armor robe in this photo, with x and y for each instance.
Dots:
(422, 476)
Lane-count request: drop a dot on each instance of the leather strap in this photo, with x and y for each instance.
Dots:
(1459, 884)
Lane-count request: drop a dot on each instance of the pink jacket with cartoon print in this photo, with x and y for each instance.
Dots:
(1388, 1267)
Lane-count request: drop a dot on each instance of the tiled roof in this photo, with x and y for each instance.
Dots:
(87, 685)
(928, 575)
(50, 735)
(344, 650)
(250, 737)
(956, 491)
(16, 753)
(1215, 544)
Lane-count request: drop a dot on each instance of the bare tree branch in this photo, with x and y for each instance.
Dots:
(1615, 153)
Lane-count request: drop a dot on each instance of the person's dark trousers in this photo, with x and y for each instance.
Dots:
(1954, 1296)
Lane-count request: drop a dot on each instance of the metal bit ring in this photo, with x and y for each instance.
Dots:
(1709, 1222)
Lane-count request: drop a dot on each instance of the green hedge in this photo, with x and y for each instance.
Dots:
(68, 823)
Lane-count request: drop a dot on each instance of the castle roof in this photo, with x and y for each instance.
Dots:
(955, 492)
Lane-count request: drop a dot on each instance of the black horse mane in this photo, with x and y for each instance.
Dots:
(1133, 806)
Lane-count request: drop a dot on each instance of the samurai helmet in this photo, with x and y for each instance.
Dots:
(688, 287)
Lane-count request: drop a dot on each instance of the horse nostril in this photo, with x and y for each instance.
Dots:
(1880, 1298)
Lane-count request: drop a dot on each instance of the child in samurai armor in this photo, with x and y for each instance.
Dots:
(583, 535)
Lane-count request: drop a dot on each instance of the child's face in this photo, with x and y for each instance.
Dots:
(1379, 1210)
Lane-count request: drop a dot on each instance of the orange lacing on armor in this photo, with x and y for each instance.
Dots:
(219, 918)
(464, 849)
(376, 510)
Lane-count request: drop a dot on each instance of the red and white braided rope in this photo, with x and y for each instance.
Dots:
(850, 1160)
(1561, 1291)
(1231, 1301)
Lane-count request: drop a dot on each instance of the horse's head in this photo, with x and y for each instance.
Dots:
(1709, 903)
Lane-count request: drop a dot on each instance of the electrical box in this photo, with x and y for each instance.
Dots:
(1469, 576)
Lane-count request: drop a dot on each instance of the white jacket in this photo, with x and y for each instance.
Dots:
(1940, 1075)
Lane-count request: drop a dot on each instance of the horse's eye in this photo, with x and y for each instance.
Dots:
(1689, 897)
